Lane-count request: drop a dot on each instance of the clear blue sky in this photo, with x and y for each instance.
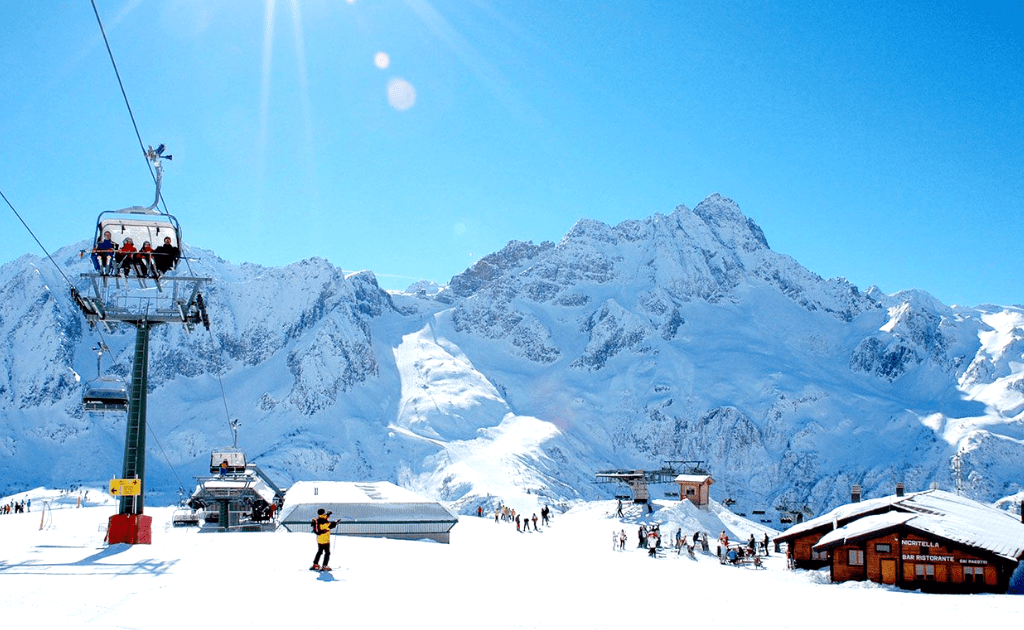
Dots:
(877, 141)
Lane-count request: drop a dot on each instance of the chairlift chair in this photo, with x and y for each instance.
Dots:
(139, 223)
(235, 458)
(104, 393)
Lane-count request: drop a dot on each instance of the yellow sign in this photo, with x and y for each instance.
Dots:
(125, 487)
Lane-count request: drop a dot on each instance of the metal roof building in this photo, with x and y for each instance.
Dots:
(379, 509)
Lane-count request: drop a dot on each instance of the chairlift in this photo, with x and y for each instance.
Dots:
(104, 393)
(232, 459)
(140, 224)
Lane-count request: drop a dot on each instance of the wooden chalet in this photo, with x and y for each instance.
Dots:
(931, 541)
(695, 488)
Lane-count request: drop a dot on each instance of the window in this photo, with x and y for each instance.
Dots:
(819, 555)
(974, 575)
(924, 571)
(883, 548)
(856, 558)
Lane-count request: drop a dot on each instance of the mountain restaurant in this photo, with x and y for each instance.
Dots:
(931, 541)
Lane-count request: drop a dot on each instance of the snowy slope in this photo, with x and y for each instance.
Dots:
(674, 337)
(563, 576)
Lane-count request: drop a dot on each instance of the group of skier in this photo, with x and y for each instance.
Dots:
(505, 513)
(16, 507)
(738, 551)
(650, 539)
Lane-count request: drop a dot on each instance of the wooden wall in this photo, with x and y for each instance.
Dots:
(915, 561)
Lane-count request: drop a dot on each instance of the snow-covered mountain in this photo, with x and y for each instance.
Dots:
(678, 337)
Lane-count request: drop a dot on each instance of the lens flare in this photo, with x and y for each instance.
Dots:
(381, 60)
(401, 94)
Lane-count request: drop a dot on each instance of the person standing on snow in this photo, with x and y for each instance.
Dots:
(322, 527)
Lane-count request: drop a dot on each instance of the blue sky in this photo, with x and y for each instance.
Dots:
(872, 141)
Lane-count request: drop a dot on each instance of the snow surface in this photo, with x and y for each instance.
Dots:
(56, 570)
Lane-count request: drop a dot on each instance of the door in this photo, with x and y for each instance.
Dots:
(888, 571)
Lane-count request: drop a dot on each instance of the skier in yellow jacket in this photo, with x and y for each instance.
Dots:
(322, 527)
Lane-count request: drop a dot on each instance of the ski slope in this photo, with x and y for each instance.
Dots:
(55, 570)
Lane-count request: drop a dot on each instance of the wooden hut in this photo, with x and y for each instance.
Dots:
(696, 488)
(932, 541)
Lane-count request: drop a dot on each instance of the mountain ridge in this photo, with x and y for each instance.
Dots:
(680, 336)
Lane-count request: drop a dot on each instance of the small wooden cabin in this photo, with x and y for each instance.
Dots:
(931, 541)
(695, 488)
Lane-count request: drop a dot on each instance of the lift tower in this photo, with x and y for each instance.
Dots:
(142, 301)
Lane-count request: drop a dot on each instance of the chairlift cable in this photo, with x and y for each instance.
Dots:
(41, 246)
(45, 251)
(124, 94)
(181, 488)
(135, 125)
(220, 380)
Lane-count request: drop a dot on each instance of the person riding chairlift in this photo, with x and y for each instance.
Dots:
(166, 256)
(144, 263)
(125, 256)
(103, 253)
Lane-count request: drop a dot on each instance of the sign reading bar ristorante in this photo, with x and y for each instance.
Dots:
(923, 546)
(923, 558)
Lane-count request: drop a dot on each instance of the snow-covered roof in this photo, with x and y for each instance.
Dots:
(940, 514)
(694, 479)
(842, 514)
(862, 527)
(367, 508)
(968, 522)
(350, 492)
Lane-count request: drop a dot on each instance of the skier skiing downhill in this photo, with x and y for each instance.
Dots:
(322, 526)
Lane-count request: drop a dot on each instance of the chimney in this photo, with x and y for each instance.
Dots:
(855, 494)
(899, 489)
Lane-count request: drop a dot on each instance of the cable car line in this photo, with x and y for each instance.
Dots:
(124, 94)
(38, 242)
(138, 135)
(220, 380)
(181, 487)
(74, 289)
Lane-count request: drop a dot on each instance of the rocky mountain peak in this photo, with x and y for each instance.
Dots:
(732, 228)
